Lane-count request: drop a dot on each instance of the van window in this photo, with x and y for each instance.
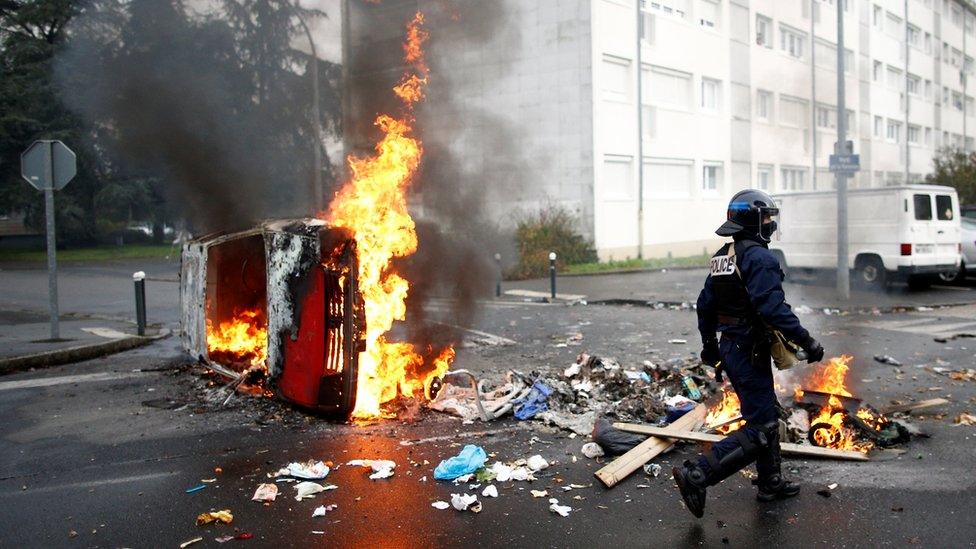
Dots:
(923, 207)
(943, 207)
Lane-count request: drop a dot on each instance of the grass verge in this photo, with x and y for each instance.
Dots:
(636, 265)
(100, 253)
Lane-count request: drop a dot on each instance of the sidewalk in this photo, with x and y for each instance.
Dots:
(25, 343)
(683, 285)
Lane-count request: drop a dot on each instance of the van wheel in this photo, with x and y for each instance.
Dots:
(870, 274)
(954, 277)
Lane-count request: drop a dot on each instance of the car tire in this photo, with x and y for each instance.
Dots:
(870, 274)
(954, 277)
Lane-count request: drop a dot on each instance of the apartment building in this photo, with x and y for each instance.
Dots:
(729, 94)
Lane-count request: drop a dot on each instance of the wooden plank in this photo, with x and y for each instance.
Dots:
(916, 406)
(620, 468)
(786, 447)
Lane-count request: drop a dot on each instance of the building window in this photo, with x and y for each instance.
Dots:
(673, 177)
(945, 96)
(957, 101)
(669, 88)
(893, 26)
(616, 79)
(956, 16)
(710, 94)
(878, 69)
(878, 126)
(824, 119)
(708, 14)
(914, 84)
(914, 36)
(793, 179)
(711, 176)
(764, 105)
(928, 89)
(928, 44)
(764, 31)
(793, 112)
(791, 41)
(877, 16)
(894, 131)
(928, 136)
(894, 77)
(914, 134)
(764, 177)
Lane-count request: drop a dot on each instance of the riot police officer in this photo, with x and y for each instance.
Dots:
(743, 299)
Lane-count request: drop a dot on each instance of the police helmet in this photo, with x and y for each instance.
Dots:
(746, 212)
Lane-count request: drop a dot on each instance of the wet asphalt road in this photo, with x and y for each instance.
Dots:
(85, 455)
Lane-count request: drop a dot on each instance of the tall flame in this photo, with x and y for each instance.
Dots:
(373, 204)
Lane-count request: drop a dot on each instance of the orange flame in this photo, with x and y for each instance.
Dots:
(373, 204)
(243, 339)
(724, 412)
(829, 423)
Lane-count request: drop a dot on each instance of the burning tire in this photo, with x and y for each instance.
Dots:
(824, 434)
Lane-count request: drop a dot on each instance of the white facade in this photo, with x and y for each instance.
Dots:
(736, 94)
(733, 94)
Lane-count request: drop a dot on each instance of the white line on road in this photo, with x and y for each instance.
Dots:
(92, 483)
(62, 380)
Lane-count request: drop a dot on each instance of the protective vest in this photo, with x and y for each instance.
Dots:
(732, 304)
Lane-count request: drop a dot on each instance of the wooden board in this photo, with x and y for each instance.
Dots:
(916, 406)
(786, 447)
(620, 468)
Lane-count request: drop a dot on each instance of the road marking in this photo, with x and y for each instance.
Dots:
(62, 380)
(927, 326)
(470, 434)
(544, 295)
(92, 483)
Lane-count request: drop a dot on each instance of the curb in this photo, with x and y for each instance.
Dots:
(76, 354)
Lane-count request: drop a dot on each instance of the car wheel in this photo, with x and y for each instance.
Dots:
(954, 277)
(870, 274)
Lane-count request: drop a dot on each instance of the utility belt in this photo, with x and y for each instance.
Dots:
(765, 340)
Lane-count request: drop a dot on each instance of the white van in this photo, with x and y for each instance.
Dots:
(906, 233)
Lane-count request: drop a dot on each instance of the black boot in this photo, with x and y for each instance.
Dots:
(691, 482)
(772, 485)
(776, 487)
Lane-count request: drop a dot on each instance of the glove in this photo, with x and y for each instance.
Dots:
(710, 354)
(814, 350)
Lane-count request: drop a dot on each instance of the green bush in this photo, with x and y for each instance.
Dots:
(551, 229)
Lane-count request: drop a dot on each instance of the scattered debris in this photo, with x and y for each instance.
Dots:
(508, 472)
(470, 459)
(440, 505)
(652, 469)
(265, 493)
(965, 418)
(309, 470)
(490, 491)
(382, 468)
(678, 341)
(240, 536)
(802, 310)
(537, 463)
(196, 488)
(561, 510)
(183, 545)
(224, 516)
(533, 403)
(592, 450)
(539, 493)
(308, 489)
(321, 510)
(463, 502)
(886, 359)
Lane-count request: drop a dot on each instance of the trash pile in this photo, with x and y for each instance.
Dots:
(590, 388)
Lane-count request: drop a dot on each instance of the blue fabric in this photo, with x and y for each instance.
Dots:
(674, 412)
(753, 383)
(764, 282)
(468, 461)
(536, 401)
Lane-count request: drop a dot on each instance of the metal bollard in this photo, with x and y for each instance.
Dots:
(140, 282)
(498, 281)
(552, 273)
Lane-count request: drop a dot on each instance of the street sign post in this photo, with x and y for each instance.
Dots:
(848, 164)
(49, 165)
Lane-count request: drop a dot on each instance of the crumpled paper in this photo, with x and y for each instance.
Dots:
(382, 468)
(561, 510)
(265, 493)
(309, 489)
(224, 516)
(309, 470)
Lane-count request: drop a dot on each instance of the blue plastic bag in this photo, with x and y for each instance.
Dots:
(468, 461)
(536, 401)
